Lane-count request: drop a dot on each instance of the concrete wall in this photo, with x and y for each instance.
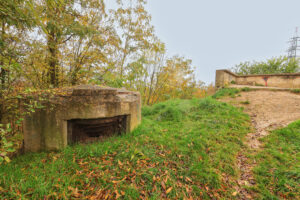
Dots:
(46, 129)
(225, 77)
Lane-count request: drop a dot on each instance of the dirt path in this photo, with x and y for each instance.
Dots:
(268, 110)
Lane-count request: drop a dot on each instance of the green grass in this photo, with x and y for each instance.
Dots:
(232, 92)
(182, 149)
(246, 89)
(278, 170)
(245, 102)
(296, 91)
(261, 85)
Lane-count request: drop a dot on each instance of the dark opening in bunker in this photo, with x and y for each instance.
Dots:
(90, 130)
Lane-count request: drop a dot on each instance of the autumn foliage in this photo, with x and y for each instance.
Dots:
(57, 43)
(46, 44)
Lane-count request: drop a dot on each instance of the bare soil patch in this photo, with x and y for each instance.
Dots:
(268, 110)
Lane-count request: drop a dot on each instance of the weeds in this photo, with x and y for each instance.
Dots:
(246, 89)
(260, 85)
(296, 91)
(245, 102)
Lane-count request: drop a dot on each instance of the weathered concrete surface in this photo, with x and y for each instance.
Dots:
(46, 129)
(226, 77)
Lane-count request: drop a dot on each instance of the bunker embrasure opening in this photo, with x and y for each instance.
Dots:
(91, 130)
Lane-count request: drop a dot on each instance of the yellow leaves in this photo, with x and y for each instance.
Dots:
(188, 179)
(169, 190)
(1, 189)
(120, 163)
(119, 181)
(163, 185)
(7, 159)
(115, 182)
(74, 191)
(117, 194)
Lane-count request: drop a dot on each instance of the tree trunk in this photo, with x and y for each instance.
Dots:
(151, 85)
(124, 58)
(2, 73)
(53, 60)
(74, 75)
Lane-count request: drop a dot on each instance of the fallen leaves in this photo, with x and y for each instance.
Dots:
(169, 190)
(74, 192)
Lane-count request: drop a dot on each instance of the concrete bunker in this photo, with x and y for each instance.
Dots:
(91, 130)
(81, 114)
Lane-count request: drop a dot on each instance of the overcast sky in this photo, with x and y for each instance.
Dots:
(218, 34)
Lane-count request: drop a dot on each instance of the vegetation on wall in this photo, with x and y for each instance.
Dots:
(271, 66)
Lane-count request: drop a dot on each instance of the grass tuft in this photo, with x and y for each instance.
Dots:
(296, 91)
(247, 89)
(226, 92)
(245, 102)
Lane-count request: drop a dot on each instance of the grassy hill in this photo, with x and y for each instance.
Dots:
(184, 148)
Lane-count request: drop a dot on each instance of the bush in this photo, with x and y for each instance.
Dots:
(271, 66)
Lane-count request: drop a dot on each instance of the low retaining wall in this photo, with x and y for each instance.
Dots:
(226, 77)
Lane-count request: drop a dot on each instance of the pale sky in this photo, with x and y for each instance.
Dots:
(218, 34)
